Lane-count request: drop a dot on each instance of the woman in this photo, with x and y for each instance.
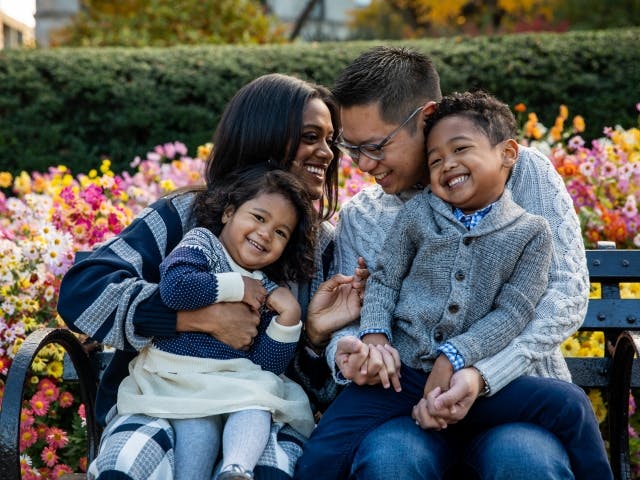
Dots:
(112, 296)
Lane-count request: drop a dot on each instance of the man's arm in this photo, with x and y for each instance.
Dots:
(539, 189)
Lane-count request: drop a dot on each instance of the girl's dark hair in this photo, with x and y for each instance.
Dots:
(489, 114)
(263, 121)
(297, 260)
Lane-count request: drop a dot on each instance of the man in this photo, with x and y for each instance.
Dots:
(384, 95)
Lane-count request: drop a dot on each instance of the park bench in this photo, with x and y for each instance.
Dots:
(616, 372)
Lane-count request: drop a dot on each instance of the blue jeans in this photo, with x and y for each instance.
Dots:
(520, 451)
(560, 407)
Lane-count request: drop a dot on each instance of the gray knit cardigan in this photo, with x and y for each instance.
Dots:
(434, 281)
(537, 187)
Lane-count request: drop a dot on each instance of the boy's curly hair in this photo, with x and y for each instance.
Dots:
(297, 260)
(492, 116)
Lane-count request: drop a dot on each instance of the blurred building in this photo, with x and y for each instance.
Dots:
(14, 34)
(327, 20)
(52, 15)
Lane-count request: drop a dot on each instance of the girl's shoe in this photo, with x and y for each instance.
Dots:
(234, 472)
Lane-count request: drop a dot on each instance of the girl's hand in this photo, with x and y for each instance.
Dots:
(282, 301)
(254, 292)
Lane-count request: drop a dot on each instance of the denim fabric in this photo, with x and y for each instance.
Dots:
(343, 435)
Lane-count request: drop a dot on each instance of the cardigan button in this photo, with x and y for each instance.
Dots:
(438, 336)
(467, 241)
(459, 275)
(454, 308)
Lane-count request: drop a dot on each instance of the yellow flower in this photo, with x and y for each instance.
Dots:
(204, 150)
(5, 179)
(570, 347)
(55, 369)
(598, 404)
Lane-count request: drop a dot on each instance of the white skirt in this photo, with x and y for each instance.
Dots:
(167, 385)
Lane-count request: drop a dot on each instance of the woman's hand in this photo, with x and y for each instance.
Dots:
(233, 323)
(335, 304)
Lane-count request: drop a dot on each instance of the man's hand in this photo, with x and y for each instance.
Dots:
(384, 359)
(454, 404)
(215, 321)
(368, 364)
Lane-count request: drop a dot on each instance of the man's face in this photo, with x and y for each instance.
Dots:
(404, 162)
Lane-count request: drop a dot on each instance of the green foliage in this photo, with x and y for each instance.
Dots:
(73, 106)
(161, 23)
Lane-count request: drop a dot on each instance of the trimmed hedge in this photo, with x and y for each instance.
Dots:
(73, 106)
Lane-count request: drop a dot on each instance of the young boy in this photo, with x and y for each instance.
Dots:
(458, 277)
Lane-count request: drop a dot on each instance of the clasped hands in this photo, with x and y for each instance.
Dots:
(447, 396)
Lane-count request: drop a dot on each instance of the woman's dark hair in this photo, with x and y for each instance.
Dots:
(297, 260)
(263, 121)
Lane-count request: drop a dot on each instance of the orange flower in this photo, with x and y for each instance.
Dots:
(520, 108)
(578, 123)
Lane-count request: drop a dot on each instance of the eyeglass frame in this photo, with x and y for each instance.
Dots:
(354, 151)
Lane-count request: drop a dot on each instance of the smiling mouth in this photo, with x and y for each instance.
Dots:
(314, 170)
(457, 180)
(380, 176)
(256, 245)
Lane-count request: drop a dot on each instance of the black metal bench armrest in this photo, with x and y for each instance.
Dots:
(14, 393)
(627, 346)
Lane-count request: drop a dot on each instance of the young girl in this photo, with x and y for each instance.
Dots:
(255, 231)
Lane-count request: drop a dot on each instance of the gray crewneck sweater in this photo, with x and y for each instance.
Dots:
(536, 186)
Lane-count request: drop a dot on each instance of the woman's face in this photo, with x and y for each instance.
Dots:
(314, 155)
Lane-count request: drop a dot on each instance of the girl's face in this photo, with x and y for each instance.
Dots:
(314, 155)
(256, 233)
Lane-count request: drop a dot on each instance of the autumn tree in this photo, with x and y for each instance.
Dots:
(138, 23)
(422, 18)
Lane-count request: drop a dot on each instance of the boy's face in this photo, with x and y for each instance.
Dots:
(464, 169)
(403, 164)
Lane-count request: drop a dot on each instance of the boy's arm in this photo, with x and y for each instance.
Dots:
(391, 266)
(540, 190)
(514, 306)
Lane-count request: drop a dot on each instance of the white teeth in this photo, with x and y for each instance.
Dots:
(258, 246)
(457, 180)
(316, 170)
(380, 176)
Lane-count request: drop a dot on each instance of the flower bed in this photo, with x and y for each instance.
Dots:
(45, 217)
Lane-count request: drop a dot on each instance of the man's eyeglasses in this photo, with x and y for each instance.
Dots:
(372, 150)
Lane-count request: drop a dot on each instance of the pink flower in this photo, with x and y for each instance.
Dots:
(28, 437)
(56, 437)
(60, 470)
(49, 456)
(48, 389)
(40, 404)
(65, 400)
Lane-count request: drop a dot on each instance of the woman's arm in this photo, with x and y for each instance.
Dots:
(112, 296)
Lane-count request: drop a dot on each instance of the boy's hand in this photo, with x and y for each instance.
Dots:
(440, 375)
(254, 292)
(282, 301)
(453, 405)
